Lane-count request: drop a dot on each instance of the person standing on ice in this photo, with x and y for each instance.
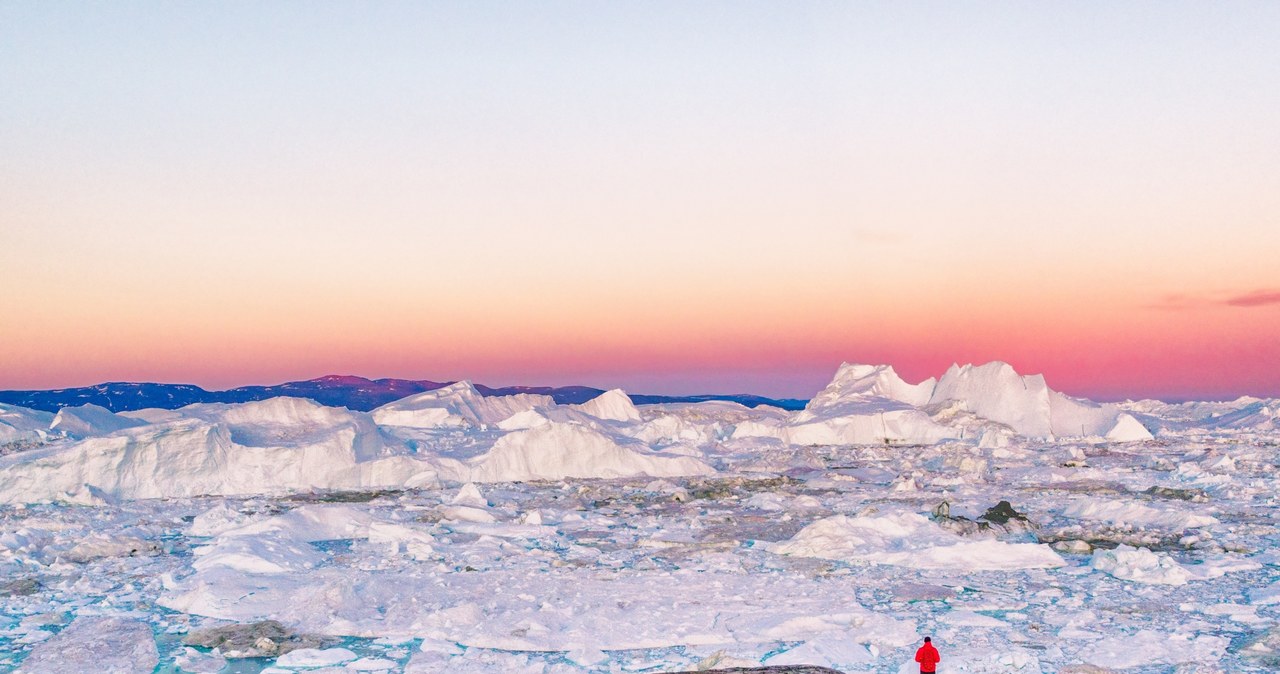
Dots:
(928, 657)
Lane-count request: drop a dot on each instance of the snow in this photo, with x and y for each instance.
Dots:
(863, 404)
(1015, 661)
(558, 450)
(371, 665)
(287, 445)
(912, 540)
(1141, 565)
(611, 405)
(216, 520)
(469, 495)
(1128, 429)
(87, 420)
(456, 405)
(1126, 512)
(867, 404)
(523, 420)
(855, 380)
(19, 424)
(1252, 414)
(1265, 596)
(1158, 568)
(996, 392)
(96, 644)
(868, 423)
(1148, 647)
(191, 660)
(563, 611)
(315, 657)
(309, 523)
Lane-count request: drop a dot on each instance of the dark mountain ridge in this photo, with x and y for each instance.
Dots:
(356, 393)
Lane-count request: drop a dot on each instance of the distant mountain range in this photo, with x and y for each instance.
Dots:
(355, 393)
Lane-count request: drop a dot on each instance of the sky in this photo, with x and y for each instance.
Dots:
(669, 197)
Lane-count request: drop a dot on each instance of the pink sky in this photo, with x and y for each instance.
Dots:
(1178, 347)
(679, 199)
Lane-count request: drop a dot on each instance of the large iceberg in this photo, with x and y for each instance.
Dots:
(456, 405)
(871, 404)
(288, 445)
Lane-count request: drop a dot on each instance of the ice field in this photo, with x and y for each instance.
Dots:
(1025, 530)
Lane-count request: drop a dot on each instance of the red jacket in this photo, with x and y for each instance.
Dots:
(928, 658)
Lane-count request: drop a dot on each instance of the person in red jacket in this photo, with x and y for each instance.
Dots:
(928, 657)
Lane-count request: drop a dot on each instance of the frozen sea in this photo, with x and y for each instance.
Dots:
(1143, 556)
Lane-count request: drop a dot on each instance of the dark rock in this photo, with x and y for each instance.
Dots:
(265, 639)
(1110, 537)
(999, 519)
(344, 496)
(1002, 513)
(1194, 495)
(719, 489)
(960, 525)
(1004, 518)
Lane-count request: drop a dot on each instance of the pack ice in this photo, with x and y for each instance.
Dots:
(1023, 529)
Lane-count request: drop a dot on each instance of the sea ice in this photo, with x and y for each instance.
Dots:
(96, 644)
(315, 657)
(454, 532)
(1149, 647)
(912, 540)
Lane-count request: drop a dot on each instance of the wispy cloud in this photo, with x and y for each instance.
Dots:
(1191, 302)
(1257, 298)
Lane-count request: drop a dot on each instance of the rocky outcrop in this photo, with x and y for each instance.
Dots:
(265, 639)
(999, 519)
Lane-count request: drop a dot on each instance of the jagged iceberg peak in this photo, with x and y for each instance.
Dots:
(612, 405)
(997, 392)
(18, 423)
(857, 380)
(282, 410)
(87, 420)
(458, 389)
(458, 404)
(1026, 404)
(993, 391)
(996, 371)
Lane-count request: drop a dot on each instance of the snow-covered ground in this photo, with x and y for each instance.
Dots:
(450, 532)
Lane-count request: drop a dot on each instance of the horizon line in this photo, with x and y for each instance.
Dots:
(1173, 399)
